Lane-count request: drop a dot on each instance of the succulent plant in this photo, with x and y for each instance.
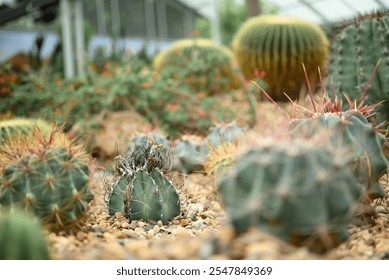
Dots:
(53, 184)
(203, 64)
(298, 191)
(351, 130)
(9, 129)
(355, 51)
(221, 134)
(21, 237)
(278, 45)
(187, 157)
(139, 188)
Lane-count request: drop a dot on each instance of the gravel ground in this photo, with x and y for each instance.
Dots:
(202, 232)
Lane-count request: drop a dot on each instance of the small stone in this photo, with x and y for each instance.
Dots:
(382, 246)
(217, 206)
(198, 224)
(125, 225)
(151, 232)
(156, 228)
(196, 207)
(81, 235)
(381, 209)
(119, 215)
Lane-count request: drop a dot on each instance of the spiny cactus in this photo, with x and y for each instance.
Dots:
(49, 181)
(351, 130)
(278, 45)
(221, 134)
(139, 188)
(298, 191)
(201, 63)
(354, 53)
(187, 157)
(21, 237)
(9, 129)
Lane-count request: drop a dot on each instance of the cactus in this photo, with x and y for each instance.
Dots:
(227, 133)
(204, 65)
(299, 191)
(278, 45)
(139, 188)
(53, 184)
(353, 131)
(187, 157)
(21, 238)
(9, 129)
(354, 53)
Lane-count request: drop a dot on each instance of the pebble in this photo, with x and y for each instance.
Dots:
(382, 246)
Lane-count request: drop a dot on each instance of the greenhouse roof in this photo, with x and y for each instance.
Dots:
(319, 11)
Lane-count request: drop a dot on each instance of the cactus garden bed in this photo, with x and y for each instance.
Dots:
(203, 230)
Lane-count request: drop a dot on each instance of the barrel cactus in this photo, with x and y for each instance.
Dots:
(298, 191)
(52, 183)
(201, 63)
(354, 53)
(139, 188)
(351, 130)
(187, 157)
(9, 129)
(278, 46)
(21, 237)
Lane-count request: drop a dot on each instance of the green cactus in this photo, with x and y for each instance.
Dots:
(152, 197)
(355, 51)
(139, 188)
(221, 134)
(298, 191)
(53, 184)
(201, 63)
(187, 157)
(21, 238)
(9, 129)
(278, 45)
(351, 130)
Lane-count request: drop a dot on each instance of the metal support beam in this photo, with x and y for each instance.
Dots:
(101, 20)
(162, 20)
(80, 37)
(315, 11)
(67, 38)
(215, 22)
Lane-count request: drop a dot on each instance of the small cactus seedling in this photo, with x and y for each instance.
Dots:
(21, 238)
(139, 189)
(297, 191)
(50, 182)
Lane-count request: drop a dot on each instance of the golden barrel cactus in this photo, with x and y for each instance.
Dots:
(278, 46)
(201, 63)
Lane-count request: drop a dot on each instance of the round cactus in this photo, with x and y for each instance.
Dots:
(352, 131)
(298, 191)
(187, 157)
(354, 53)
(278, 46)
(201, 63)
(21, 238)
(9, 129)
(52, 184)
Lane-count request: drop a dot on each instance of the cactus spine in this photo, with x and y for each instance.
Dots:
(279, 45)
(9, 129)
(354, 53)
